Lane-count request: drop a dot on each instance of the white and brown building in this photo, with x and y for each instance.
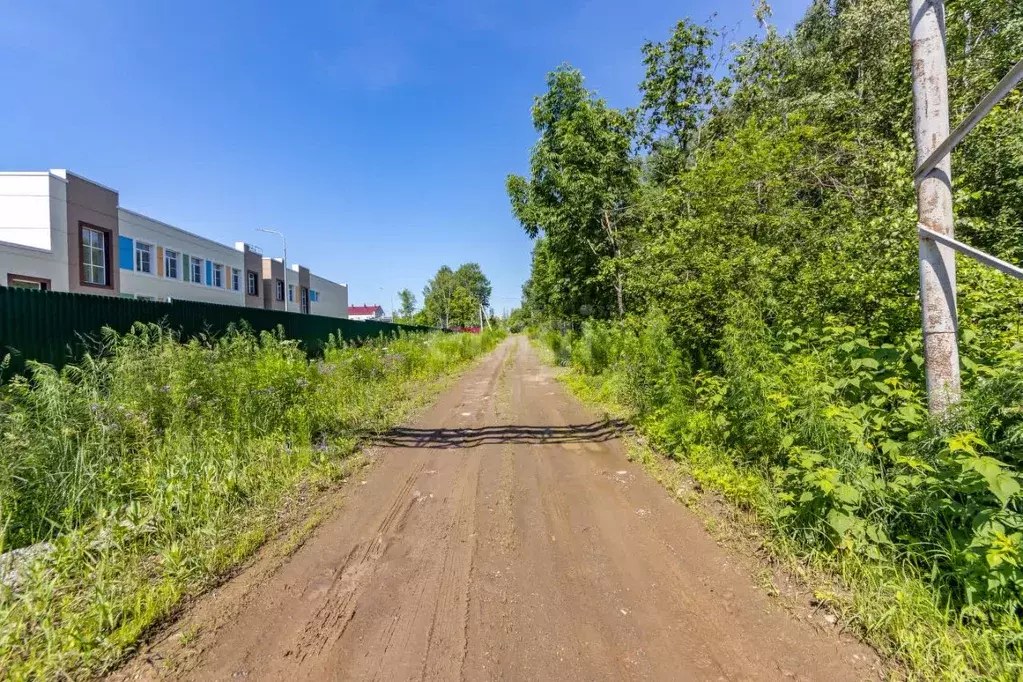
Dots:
(58, 231)
(63, 232)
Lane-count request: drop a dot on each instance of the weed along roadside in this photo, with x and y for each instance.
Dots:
(138, 476)
(832, 453)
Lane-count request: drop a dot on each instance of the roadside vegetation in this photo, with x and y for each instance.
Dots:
(734, 264)
(140, 475)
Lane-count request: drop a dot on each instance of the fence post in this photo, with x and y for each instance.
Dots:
(934, 205)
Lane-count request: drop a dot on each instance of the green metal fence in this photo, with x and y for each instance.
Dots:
(56, 327)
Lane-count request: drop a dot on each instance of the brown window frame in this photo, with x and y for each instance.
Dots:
(108, 245)
(44, 284)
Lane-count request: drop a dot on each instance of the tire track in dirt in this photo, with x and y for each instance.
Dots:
(339, 601)
(503, 536)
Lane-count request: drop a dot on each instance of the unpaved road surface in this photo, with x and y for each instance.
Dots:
(503, 536)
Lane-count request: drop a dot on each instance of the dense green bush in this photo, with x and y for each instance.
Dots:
(153, 465)
(833, 429)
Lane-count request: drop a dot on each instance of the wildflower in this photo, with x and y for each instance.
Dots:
(94, 407)
(302, 383)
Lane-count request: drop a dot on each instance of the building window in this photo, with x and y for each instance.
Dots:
(305, 299)
(291, 293)
(27, 282)
(280, 289)
(236, 278)
(170, 264)
(197, 270)
(218, 275)
(143, 257)
(252, 283)
(94, 256)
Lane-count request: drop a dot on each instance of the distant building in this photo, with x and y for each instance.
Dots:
(365, 312)
(62, 232)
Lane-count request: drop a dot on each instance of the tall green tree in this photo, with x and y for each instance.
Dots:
(454, 298)
(787, 179)
(437, 295)
(582, 178)
(470, 276)
(678, 89)
(408, 304)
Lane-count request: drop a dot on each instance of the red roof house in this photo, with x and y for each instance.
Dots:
(365, 312)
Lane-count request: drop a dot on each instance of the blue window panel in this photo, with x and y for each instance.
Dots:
(126, 253)
(209, 273)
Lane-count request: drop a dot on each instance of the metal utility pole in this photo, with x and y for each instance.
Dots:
(284, 242)
(393, 316)
(934, 205)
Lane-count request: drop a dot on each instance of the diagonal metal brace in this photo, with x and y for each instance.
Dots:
(976, 254)
(1003, 88)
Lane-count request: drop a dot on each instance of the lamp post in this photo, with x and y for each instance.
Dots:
(284, 242)
(392, 303)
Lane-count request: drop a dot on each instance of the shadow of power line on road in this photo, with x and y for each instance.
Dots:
(445, 438)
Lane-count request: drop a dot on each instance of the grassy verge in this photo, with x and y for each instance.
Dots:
(890, 603)
(145, 473)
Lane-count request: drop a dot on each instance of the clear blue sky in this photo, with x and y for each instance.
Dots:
(376, 135)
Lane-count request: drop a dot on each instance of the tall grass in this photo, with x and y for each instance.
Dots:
(824, 434)
(154, 465)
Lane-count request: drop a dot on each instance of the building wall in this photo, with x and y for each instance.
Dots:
(95, 205)
(273, 270)
(135, 227)
(299, 279)
(25, 210)
(331, 298)
(33, 228)
(23, 261)
(253, 262)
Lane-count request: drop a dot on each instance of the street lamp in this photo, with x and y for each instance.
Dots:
(392, 303)
(285, 243)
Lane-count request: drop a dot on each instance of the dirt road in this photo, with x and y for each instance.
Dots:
(505, 536)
